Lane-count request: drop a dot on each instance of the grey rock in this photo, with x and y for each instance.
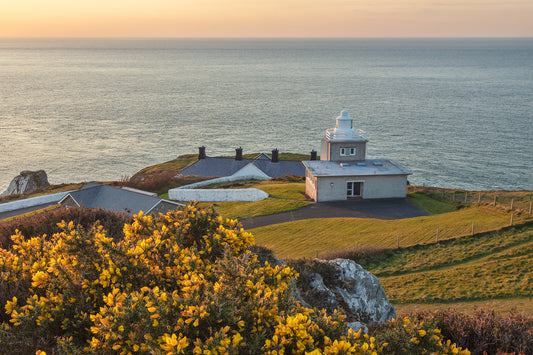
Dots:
(362, 292)
(355, 291)
(355, 326)
(27, 181)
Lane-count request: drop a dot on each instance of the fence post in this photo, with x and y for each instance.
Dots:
(398, 242)
(466, 196)
(437, 234)
(479, 198)
(512, 203)
(442, 193)
(530, 205)
(473, 224)
(356, 245)
(512, 214)
(494, 199)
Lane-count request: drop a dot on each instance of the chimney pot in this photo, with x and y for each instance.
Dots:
(201, 152)
(275, 155)
(313, 154)
(238, 154)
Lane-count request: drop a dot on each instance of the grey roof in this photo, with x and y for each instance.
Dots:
(228, 166)
(115, 199)
(363, 168)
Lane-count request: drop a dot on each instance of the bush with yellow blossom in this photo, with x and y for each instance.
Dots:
(181, 283)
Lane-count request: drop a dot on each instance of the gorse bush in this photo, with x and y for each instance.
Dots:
(184, 282)
(47, 222)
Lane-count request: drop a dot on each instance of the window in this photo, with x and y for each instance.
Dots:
(353, 189)
(347, 151)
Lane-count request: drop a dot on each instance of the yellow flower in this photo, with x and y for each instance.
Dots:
(422, 333)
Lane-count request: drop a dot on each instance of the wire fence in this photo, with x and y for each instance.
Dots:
(514, 200)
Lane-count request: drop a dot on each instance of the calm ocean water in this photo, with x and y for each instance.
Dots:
(456, 112)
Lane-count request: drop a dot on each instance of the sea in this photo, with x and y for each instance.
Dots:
(457, 113)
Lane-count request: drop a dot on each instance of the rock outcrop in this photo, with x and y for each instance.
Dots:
(27, 181)
(344, 284)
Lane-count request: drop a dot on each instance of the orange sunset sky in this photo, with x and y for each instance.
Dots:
(266, 18)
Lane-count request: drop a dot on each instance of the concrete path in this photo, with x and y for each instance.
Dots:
(382, 209)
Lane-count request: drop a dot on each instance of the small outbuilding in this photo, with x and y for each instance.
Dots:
(127, 200)
(344, 173)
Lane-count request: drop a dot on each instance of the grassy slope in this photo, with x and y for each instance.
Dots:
(304, 238)
(492, 269)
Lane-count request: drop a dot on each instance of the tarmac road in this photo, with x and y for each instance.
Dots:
(396, 208)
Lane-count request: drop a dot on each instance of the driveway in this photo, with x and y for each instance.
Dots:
(396, 208)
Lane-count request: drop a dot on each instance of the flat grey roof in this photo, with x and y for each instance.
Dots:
(362, 168)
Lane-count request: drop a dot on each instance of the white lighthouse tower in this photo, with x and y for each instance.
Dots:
(343, 143)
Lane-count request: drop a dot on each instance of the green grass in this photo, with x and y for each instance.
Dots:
(173, 165)
(304, 238)
(437, 256)
(523, 305)
(243, 210)
(501, 275)
(284, 197)
(432, 204)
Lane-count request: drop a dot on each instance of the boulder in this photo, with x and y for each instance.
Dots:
(345, 285)
(27, 181)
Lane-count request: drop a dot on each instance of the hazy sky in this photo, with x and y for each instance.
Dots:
(266, 18)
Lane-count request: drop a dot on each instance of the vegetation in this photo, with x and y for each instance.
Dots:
(306, 238)
(284, 197)
(46, 222)
(243, 210)
(180, 283)
(175, 165)
(433, 205)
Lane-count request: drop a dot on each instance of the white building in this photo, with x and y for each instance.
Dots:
(344, 173)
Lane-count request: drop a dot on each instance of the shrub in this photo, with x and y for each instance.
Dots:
(184, 282)
(485, 332)
(46, 222)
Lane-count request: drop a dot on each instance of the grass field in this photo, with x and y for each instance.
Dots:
(305, 238)
(493, 269)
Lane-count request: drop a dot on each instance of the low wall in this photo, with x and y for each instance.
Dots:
(33, 201)
(216, 195)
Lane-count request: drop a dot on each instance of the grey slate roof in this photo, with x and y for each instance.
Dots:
(217, 167)
(115, 199)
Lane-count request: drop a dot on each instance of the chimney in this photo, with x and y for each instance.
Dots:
(201, 153)
(275, 155)
(238, 154)
(313, 154)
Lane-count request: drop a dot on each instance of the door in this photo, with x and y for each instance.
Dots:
(353, 189)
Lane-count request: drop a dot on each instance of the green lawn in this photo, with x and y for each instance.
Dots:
(243, 210)
(325, 235)
(432, 204)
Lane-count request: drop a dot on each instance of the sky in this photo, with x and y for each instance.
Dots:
(266, 18)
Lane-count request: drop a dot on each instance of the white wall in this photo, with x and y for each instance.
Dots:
(216, 195)
(392, 186)
(30, 202)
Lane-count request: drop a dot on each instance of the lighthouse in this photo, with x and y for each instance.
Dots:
(343, 143)
(343, 171)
